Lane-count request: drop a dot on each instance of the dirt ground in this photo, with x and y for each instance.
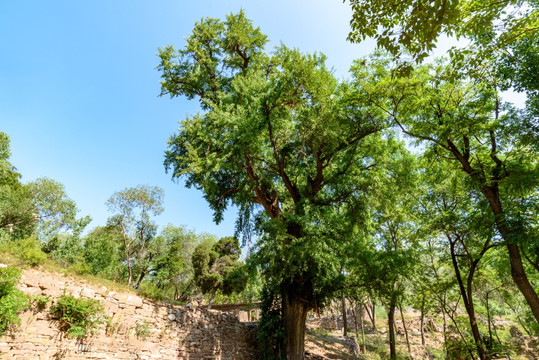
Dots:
(324, 342)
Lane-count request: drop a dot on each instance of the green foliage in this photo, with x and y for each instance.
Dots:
(40, 302)
(12, 300)
(457, 348)
(519, 67)
(217, 268)
(132, 208)
(16, 207)
(29, 251)
(377, 346)
(271, 332)
(54, 209)
(414, 26)
(113, 327)
(78, 317)
(143, 329)
(102, 252)
(172, 271)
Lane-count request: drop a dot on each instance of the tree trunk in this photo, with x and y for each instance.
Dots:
(295, 314)
(211, 298)
(468, 303)
(344, 319)
(361, 326)
(373, 315)
(489, 320)
(391, 325)
(127, 254)
(520, 278)
(405, 332)
(422, 326)
(445, 325)
(130, 273)
(141, 277)
(452, 317)
(354, 313)
(517, 269)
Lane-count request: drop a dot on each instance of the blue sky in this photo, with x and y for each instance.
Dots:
(79, 90)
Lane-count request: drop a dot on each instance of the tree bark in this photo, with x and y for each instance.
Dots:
(468, 302)
(211, 298)
(517, 269)
(362, 328)
(354, 313)
(141, 277)
(422, 326)
(391, 330)
(405, 332)
(295, 314)
(344, 319)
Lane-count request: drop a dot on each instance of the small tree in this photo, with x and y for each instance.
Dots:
(133, 207)
(217, 268)
(16, 208)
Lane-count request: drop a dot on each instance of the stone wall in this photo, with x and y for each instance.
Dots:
(175, 332)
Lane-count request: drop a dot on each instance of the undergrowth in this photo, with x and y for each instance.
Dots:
(12, 300)
(78, 317)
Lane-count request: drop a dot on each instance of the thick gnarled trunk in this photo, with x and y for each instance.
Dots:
(295, 315)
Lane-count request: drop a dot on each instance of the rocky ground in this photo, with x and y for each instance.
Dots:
(323, 341)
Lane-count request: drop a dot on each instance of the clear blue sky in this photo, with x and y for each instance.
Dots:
(79, 90)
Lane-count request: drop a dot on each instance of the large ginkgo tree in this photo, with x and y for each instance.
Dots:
(283, 140)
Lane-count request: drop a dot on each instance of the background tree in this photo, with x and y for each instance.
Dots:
(388, 262)
(217, 268)
(102, 252)
(16, 208)
(460, 218)
(133, 207)
(55, 211)
(461, 121)
(173, 269)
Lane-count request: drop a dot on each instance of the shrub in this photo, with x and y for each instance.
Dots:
(151, 291)
(12, 300)
(40, 302)
(143, 329)
(457, 348)
(78, 317)
(80, 268)
(29, 251)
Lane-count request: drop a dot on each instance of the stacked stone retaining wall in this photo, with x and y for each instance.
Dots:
(136, 328)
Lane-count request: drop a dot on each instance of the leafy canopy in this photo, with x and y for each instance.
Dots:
(414, 26)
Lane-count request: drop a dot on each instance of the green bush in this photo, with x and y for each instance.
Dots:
(457, 348)
(78, 317)
(151, 291)
(5, 240)
(80, 268)
(12, 300)
(29, 251)
(377, 348)
(40, 302)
